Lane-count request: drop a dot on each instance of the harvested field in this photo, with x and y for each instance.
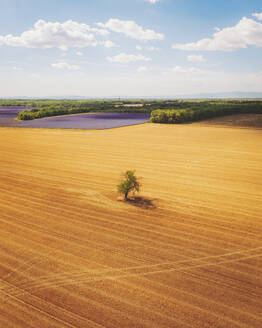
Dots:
(239, 120)
(188, 253)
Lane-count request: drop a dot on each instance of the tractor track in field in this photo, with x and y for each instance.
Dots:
(73, 255)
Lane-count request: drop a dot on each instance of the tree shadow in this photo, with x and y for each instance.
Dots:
(141, 202)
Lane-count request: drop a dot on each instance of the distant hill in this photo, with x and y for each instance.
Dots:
(223, 95)
(228, 95)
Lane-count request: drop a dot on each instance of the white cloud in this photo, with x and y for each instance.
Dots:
(152, 1)
(53, 34)
(131, 30)
(258, 16)
(180, 69)
(196, 58)
(149, 48)
(152, 48)
(65, 66)
(142, 69)
(127, 58)
(108, 44)
(79, 53)
(246, 32)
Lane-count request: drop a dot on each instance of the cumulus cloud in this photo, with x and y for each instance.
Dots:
(127, 58)
(152, 48)
(149, 48)
(180, 69)
(246, 32)
(131, 29)
(196, 58)
(60, 35)
(65, 66)
(108, 44)
(258, 16)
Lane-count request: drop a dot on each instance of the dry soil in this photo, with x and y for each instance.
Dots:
(187, 253)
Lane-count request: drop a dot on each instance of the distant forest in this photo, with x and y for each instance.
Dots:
(162, 110)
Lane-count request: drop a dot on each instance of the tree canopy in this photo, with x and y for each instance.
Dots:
(129, 183)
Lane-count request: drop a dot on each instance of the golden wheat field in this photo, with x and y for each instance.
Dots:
(187, 253)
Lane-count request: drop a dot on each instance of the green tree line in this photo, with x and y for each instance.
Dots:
(175, 116)
(162, 110)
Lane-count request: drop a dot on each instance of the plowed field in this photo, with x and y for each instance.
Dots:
(187, 253)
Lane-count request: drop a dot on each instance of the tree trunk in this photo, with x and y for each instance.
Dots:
(126, 193)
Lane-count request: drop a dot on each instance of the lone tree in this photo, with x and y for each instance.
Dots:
(129, 183)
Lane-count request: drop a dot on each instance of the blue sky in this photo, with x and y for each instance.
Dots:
(109, 48)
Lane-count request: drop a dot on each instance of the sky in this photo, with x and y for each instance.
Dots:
(129, 48)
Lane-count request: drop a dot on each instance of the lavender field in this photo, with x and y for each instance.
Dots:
(81, 121)
(8, 114)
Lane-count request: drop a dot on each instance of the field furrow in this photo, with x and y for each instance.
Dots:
(187, 254)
